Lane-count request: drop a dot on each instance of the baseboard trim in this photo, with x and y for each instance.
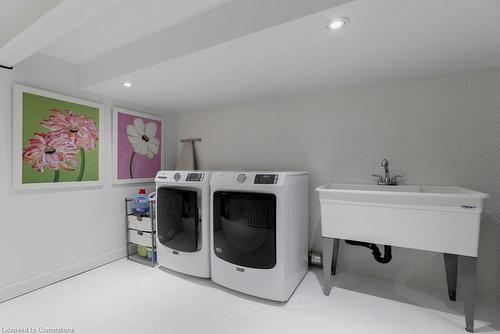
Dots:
(35, 283)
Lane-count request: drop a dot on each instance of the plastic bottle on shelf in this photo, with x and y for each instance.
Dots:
(141, 202)
(151, 253)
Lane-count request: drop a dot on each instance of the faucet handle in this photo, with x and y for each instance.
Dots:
(396, 177)
(379, 177)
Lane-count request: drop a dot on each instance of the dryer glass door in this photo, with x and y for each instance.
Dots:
(245, 228)
(177, 222)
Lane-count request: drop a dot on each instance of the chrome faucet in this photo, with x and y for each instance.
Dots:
(387, 179)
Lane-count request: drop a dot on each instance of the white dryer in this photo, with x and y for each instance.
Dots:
(259, 230)
(183, 221)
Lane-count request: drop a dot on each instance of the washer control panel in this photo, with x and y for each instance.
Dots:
(266, 179)
(182, 177)
(194, 177)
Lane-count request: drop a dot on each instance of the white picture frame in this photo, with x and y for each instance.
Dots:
(17, 142)
(116, 178)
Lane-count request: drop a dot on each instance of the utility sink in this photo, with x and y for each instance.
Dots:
(433, 218)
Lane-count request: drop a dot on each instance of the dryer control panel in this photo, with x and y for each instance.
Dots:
(266, 179)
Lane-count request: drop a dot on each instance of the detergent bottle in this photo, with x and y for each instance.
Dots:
(141, 202)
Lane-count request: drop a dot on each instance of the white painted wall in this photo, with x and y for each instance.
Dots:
(50, 235)
(443, 131)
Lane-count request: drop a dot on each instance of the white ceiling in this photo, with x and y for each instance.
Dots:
(127, 21)
(15, 15)
(200, 54)
(386, 40)
(28, 26)
(7, 7)
(11, 7)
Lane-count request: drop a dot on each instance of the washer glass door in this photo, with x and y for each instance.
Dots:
(244, 228)
(177, 220)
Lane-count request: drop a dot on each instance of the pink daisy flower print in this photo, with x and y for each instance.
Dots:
(81, 129)
(54, 150)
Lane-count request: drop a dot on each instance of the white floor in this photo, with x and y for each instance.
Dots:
(125, 297)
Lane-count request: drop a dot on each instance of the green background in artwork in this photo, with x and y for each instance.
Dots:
(36, 108)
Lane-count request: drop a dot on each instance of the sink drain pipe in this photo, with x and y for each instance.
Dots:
(316, 259)
(375, 250)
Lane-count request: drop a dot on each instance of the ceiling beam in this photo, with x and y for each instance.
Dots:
(230, 21)
(34, 28)
(21, 14)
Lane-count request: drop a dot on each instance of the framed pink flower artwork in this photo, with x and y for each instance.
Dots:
(57, 140)
(138, 144)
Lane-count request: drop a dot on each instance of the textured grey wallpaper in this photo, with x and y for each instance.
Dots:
(443, 130)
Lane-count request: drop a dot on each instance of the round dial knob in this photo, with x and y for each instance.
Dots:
(241, 178)
(177, 176)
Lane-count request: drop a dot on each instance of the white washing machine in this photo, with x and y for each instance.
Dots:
(183, 221)
(259, 230)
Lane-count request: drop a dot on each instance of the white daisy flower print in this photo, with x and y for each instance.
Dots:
(142, 138)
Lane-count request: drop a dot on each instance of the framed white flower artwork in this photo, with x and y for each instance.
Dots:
(138, 145)
(57, 140)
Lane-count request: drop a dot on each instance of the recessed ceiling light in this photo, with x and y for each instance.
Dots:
(127, 84)
(337, 23)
